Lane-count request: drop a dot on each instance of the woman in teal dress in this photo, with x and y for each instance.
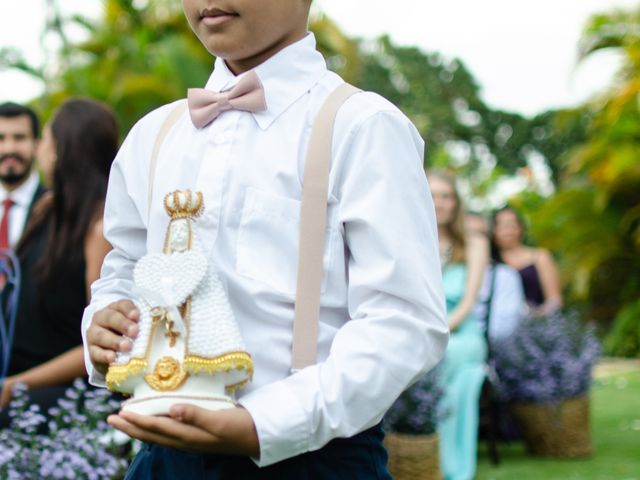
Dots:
(464, 258)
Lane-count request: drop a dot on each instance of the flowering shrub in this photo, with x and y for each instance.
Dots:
(547, 359)
(75, 444)
(417, 410)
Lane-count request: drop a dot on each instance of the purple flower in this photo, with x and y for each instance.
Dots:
(418, 409)
(546, 359)
(71, 449)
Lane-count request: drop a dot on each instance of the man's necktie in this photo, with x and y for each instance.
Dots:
(205, 105)
(7, 203)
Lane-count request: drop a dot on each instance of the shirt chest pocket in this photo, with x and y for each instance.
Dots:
(267, 245)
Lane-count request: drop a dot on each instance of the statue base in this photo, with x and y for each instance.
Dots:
(201, 391)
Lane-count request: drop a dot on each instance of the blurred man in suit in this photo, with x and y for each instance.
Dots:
(20, 187)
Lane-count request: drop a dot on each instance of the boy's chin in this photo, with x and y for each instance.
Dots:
(224, 49)
(235, 57)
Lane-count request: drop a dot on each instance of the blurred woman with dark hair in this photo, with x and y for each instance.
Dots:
(537, 269)
(62, 251)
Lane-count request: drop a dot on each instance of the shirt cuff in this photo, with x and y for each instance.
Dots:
(96, 378)
(282, 425)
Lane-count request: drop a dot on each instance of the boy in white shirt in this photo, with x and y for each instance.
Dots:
(382, 318)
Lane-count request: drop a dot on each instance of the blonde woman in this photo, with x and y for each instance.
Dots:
(464, 258)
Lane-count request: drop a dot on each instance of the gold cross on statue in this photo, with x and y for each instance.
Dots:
(171, 334)
(160, 314)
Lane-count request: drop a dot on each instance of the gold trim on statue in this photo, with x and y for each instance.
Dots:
(223, 363)
(118, 374)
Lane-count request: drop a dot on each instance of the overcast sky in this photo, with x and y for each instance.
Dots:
(522, 52)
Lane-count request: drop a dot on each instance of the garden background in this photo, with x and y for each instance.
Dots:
(139, 55)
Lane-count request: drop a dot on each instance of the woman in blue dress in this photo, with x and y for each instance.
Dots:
(464, 258)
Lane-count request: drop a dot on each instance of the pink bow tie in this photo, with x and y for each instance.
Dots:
(205, 105)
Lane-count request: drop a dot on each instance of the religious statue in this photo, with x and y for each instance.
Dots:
(189, 348)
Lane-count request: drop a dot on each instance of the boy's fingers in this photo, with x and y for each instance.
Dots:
(191, 415)
(132, 430)
(162, 430)
(126, 308)
(101, 357)
(115, 321)
(183, 413)
(108, 340)
(107, 332)
(161, 425)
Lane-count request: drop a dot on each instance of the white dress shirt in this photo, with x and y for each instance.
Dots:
(508, 305)
(382, 320)
(22, 198)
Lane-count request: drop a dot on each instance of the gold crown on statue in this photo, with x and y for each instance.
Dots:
(184, 204)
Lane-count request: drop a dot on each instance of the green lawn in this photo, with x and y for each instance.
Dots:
(615, 416)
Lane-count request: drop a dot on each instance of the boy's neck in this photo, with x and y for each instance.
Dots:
(240, 66)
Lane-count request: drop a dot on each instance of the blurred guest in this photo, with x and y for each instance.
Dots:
(501, 304)
(475, 222)
(464, 259)
(62, 251)
(537, 269)
(19, 184)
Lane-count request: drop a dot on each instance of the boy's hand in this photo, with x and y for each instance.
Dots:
(229, 431)
(105, 334)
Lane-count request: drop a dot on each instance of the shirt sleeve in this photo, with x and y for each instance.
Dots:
(125, 230)
(397, 324)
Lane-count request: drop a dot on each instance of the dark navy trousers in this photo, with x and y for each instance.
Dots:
(362, 457)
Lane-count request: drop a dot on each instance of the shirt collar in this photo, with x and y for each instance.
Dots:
(23, 195)
(286, 76)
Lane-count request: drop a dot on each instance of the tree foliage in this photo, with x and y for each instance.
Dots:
(594, 219)
(443, 99)
(140, 55)
(135, 59)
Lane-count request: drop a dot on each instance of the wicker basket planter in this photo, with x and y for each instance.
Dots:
(555, 430)
(413, 457)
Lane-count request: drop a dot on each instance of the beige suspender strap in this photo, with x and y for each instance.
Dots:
(171, 119)
(313, 221)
